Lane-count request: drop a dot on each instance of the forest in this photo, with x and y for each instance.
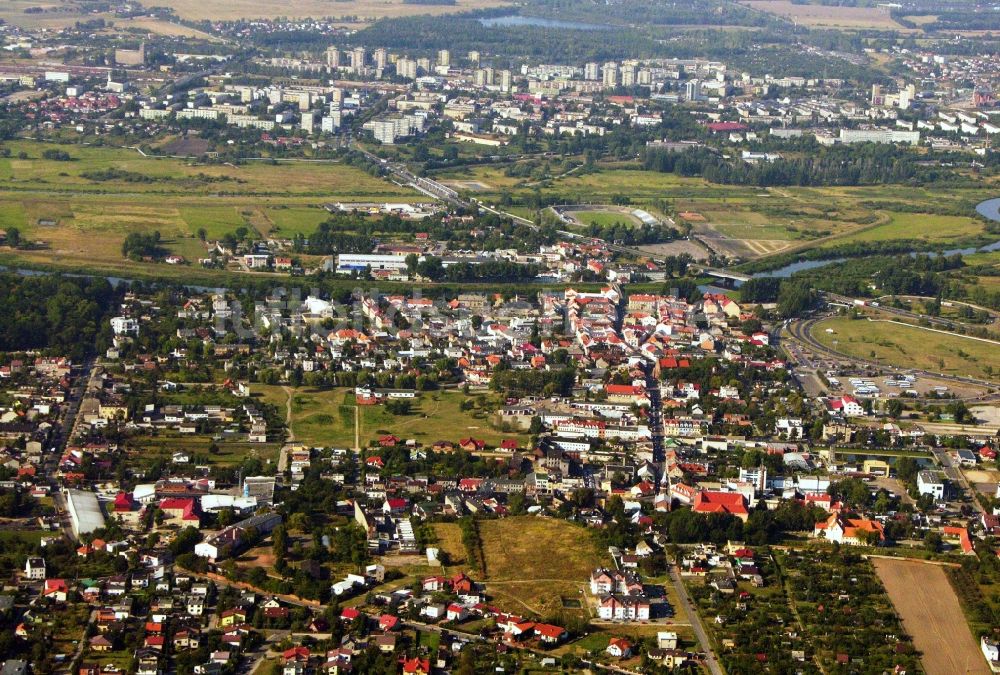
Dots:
(859, 164)
(60, 315)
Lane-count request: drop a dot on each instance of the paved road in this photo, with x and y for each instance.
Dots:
(800, 331)
(956, 475)
(699, 628)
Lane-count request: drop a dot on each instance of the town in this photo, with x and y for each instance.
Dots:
(459, 337)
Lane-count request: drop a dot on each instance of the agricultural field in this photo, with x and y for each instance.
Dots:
(827, 16)
(909, 346)
(532, 564)
(365, 10)
(929, 608)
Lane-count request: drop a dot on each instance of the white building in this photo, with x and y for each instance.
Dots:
(358, 262)
(123, 325)
(931, 483)
(34, 568)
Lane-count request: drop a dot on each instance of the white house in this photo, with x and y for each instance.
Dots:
(123, 325)
(931, 483)
(34, 568)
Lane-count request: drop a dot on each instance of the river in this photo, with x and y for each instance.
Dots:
(989, 209)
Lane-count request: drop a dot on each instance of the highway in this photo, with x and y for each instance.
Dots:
(800, 331)
(934, 320)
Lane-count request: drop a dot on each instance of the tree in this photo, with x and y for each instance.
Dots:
(202, 233)
(411, 263)
(895, 408)
(13, 237)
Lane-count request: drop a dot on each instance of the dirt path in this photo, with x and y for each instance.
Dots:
(929, 608)
(289, 392)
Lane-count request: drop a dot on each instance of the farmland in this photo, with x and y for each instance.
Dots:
(827, 16)
(931, 613)
(909, 346)
(366, 10)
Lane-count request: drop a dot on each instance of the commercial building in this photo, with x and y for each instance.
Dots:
(358, 262)
(84, 512)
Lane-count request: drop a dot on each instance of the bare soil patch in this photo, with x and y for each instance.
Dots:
(930, 611)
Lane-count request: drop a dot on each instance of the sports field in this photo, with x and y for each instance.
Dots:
(909, 346)
(604, 218)
(930, 611)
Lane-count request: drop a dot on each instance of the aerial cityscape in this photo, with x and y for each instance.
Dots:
(499, 336)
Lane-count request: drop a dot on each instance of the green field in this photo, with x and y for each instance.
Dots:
(931, 228)
(230, 452)
(604, 218)
(909, 347)
(290, 220)
(754, 221)
(80, 210)
(325, 417)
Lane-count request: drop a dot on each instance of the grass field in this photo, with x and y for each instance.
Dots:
(749, 222)
(909, 346)
(931, 613)
(83, 221)
(604, 217)
(230, 452)
(532, 563)
(326, 418)
(926, 227)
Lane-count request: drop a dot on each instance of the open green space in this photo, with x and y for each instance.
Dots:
(291, 220)
(230, 453)
(927, 227)
(604, 218)
(79, 210)
(755, 221)
(532, 563)
(325, 417)
(909, 346)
